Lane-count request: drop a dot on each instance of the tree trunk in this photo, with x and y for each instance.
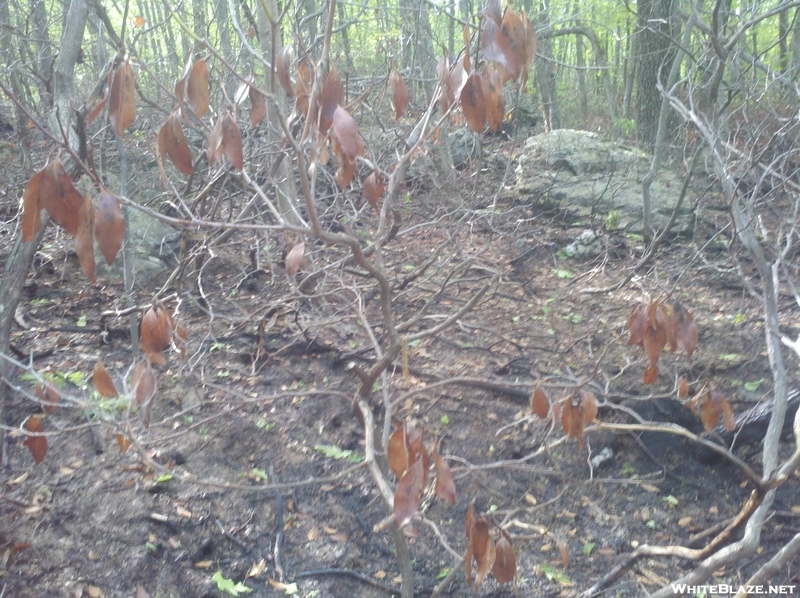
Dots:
(795, 67)
(417, 44)
(44, 53)
(580, 72)
(545, 73)
(64, 71)
(199, 18)
(12, 68)
(271, 43)
(653, 55)
(21, 257)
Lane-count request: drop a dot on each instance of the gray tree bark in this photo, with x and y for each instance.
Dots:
(12, 68)
(545, 73)
(64, 71)
(653, 55)
(21, 257)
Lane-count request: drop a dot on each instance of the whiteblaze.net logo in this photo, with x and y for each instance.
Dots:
(730, 590)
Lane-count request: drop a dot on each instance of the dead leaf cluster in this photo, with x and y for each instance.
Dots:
(658, 326)
(410, 462)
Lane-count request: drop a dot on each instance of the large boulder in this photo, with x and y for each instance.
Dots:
(599, 181)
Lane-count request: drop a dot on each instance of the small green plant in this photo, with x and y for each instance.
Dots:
(334, 452)
(563, 273)
(625, 125)
(227, 585)
(553, 574)
(612, 220)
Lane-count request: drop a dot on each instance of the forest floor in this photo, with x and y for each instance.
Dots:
(263, 388)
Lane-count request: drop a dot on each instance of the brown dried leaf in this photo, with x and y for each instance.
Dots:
(172, 143)
(514, 29)
(445, 487)
(302, 86)
(727, 416)
(472, 103)
(155, 333)
(397, 453)
(530, 44)
(332, 98)
(686, 330)
(179, 338)
(140, 591)
(98, 108)
(637, 324)
(562, 548)
(124, 443)
(694, 404)
(408, 494)
(122, 98)
(458, 78)
(345, 130)
(232, 142)
(483, 551)
(143, 383)
(589, 402)
(59, 197)
(711, 409)
(109, 227)
(399, 94)
(505, 563)
(540, 403)
(497, 48)
(84, 239)
(492, 87)
(103, 382)
(655, 338)
(373, 189)
(556, 412)
(344, 173)
(295, 258)
(469, 519)
(37, 445)
(197, 90)
(48, 395)
(650, 374)
(683, 387)
(258, 107)
(572, 420)
(282, 63)
(31, 209)
(214, 151)
(416, 447)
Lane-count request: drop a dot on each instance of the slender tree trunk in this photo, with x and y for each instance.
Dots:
(580, 63)
(271, 42)
(545, 73)
(654, 48)
(12, 68)
(21, 257)
(630, 73)
(783, 36)
(199, 18)
(64, 71)
(345, 37)
(44, 52)
(794, 71)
